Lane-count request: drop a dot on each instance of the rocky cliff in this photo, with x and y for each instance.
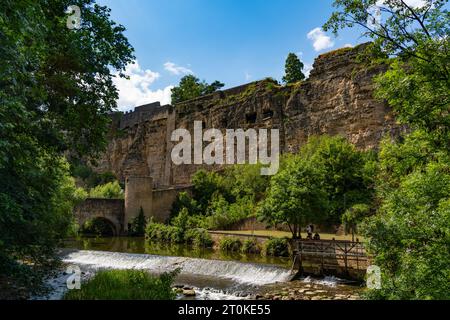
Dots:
(337, 99)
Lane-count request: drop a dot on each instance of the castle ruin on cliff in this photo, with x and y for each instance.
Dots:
(337, 99)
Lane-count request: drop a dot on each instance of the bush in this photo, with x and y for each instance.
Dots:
(137, 228)
(251, 246)
(175, 235)
(230, 245)
(164, 233)
(224, 214)
(126, 285)
(184, 201)
(277, 247)
(111, 190)
(199, 238)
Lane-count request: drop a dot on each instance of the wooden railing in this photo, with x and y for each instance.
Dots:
(330, 257)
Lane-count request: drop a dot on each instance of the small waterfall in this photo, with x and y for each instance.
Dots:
(245, 273)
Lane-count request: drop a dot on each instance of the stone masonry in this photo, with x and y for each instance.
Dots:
(337, 99)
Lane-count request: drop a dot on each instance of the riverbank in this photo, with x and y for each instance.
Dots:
(10, 290)
(205, 274)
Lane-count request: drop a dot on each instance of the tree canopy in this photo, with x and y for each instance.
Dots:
(56, 92)
(319, 184)
(191, 87)
(409, 235)
(296, 196)
(293, 69)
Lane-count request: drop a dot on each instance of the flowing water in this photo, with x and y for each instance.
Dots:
(210, 273)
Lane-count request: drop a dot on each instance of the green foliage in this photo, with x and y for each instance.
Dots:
(251, 246)
(354, 216)
(184, 201)
(296, 196)
(347, 174)
(197, 237)
(316, 186)
(277, 247)
(293, 69)
(163, 233)
(246, 181)
(220, 200)
(89, 177)
(126, 285)
(416, 38)
(111, 190)
(230, 245)
(56, 93)
(97, 227)
(410, 237)
(200, 238)
(206, 184)
(137, 228)
(223, 214)
(36, 211)
(191, 87)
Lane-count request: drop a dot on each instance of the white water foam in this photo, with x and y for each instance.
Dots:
(326, 281)
(245, 273)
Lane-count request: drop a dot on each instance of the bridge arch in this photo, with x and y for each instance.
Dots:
(114, 226)
(109, 210)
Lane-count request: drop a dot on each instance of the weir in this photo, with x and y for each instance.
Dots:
(242, 273)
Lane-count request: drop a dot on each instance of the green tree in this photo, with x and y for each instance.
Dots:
(191, 87)
(206, 184)
(138, 225)
(409, 235)
(354, 216)
(56, 92)
(246, 181)
(345, 178)
(296, 196)
(111, 190)
(293, 69)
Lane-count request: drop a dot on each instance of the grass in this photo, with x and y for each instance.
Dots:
(283, 234)
(125, 285)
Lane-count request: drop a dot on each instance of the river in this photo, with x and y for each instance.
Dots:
(212, 274)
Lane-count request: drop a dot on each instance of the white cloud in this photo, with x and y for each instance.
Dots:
(416, 3)
(348, 45)
(307, 67)
(136, 90)
(248, 76)
(320, 40)
(410, 3)
(175, 69)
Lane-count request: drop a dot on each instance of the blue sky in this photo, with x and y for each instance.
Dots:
(234, 41)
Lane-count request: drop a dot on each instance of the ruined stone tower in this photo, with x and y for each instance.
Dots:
(138, 194)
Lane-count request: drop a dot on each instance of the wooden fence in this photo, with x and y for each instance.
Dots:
(325, 257)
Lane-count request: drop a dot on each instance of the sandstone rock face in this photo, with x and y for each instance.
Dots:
(337, 99)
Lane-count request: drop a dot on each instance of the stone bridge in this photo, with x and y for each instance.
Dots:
(120, 213)
(110, 210)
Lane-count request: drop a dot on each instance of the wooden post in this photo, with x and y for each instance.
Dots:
(345, 257)
(323, 256)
